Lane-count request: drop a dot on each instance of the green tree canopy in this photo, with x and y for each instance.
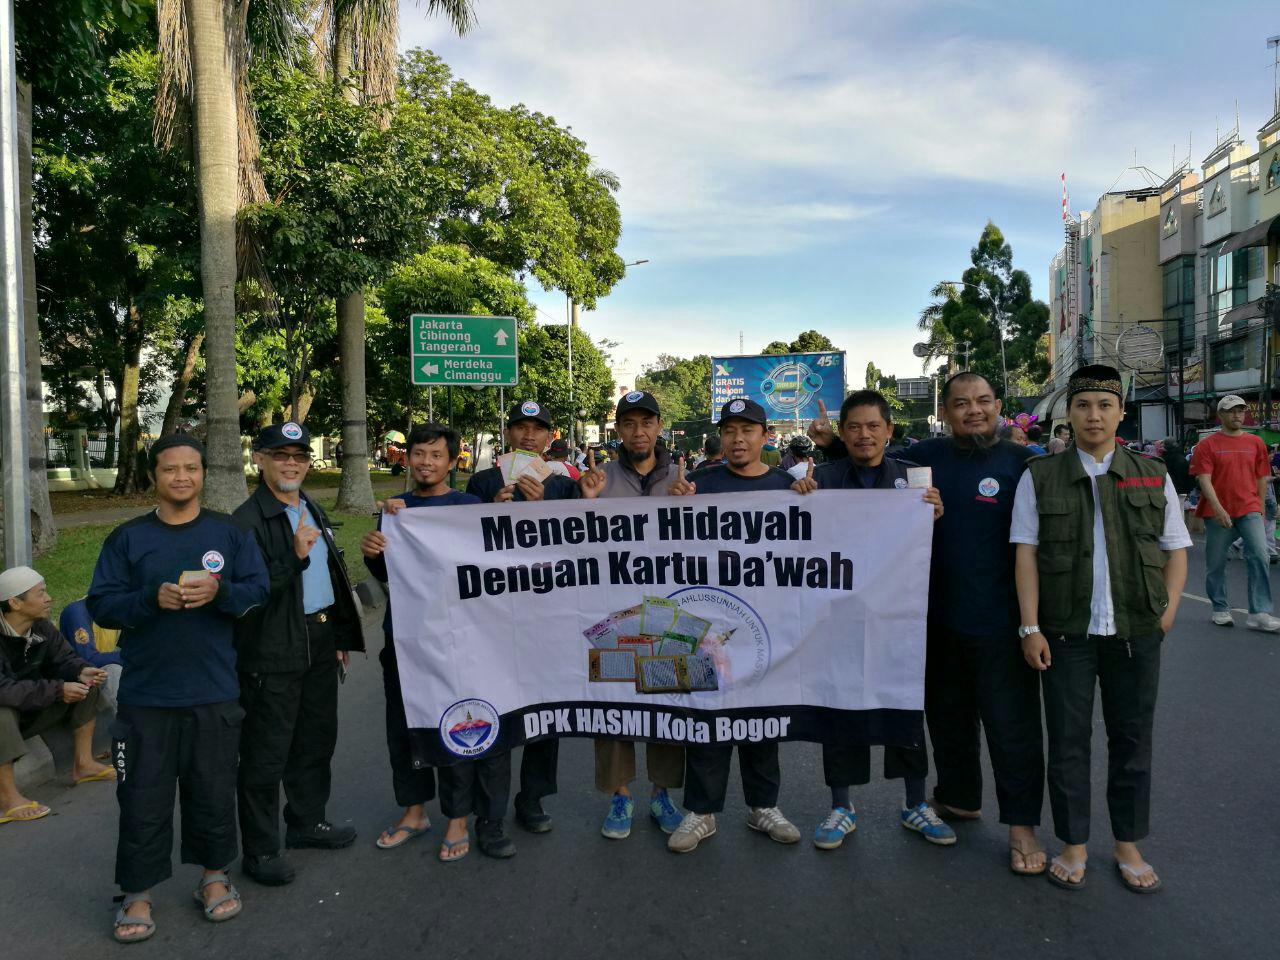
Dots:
(811, 341)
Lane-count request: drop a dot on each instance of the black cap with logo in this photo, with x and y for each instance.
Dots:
(278, 435)
(529, 410)
(743, 409)
(638, 400)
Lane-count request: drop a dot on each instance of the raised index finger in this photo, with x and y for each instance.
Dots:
(822, 409)
(809, 473)
(591, 458)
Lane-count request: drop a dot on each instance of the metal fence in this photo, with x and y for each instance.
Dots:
(103, 449)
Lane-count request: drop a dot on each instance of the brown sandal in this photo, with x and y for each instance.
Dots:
(1024, 848)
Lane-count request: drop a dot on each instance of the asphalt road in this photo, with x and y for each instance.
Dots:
(572, 894)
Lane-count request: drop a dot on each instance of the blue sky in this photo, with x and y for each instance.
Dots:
(788, 165)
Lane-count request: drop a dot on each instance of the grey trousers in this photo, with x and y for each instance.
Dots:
(16, 726)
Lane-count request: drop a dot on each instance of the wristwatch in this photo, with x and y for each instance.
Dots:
(1024, 632)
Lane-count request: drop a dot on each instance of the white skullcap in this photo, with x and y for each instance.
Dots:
(18, 580)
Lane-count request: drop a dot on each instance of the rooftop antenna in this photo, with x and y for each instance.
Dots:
(1274, 44)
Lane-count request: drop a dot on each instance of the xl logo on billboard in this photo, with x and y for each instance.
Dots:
(723, 370)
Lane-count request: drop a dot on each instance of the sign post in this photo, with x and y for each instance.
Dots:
(462, 351)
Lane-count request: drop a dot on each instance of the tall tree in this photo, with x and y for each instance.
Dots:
(364, 62)
(994, 311)
(811, 341)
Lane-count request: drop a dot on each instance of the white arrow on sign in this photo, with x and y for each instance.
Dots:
(430, 369)
(500, 338)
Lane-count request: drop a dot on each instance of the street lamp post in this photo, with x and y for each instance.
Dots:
(998, 314)
(571, 323)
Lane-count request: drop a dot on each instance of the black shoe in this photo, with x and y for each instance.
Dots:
(271, 869)
(531, 816)
(324, 835)
(491, 835)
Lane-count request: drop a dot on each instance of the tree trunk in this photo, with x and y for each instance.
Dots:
(355, 489)
(209, 23)
(44, 534)
(173, 412)
(127, 478)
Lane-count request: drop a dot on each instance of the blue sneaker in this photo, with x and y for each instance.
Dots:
(664, 811)
(840, 822)
(617, 825)
(924, 821)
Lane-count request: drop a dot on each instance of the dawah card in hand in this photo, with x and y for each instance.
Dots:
(188, 577)
(657, 616)
(920, 478)
(505, 463)
(539, 468)
(611, 666)
(690, 625)
(520, 461)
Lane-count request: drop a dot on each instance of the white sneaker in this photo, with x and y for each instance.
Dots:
(771, 821)
(1263, 621)
(1223, 618)
(693, 829)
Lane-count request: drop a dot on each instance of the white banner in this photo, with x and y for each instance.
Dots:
(695, 619)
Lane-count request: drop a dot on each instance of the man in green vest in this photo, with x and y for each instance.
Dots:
(1101, 562)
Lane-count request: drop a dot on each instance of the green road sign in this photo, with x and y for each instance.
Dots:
(458, 351)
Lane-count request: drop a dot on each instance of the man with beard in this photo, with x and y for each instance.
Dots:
(289, 654)
(529, 429)
(975, 673)
(644, 469)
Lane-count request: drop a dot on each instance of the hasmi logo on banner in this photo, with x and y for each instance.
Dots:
(469, 727)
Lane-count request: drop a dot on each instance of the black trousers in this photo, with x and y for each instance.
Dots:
(154, 751)
(482, 787)
(706, 775)
(984, 680)
(290, 731)
(849, 764)
(538, 769)
(1128, 672)
(411, 785)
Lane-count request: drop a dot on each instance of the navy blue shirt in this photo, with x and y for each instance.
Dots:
(723, 480)
(176, 658)
(487, 483)
(378, 565)
(971, 588)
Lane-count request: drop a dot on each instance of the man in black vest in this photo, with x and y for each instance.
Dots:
(288, 654)
(1101, 562)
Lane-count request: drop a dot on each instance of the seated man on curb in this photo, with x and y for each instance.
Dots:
(42, 683)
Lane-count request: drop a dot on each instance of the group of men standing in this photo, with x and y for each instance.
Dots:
(236, 632)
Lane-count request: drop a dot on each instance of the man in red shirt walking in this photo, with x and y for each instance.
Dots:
(1233, 470)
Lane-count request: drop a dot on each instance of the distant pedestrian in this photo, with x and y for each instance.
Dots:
(1234, 471)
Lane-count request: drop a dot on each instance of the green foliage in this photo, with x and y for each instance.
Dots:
(886, 384)
(811, 341)
(682, 387)
(992, 290)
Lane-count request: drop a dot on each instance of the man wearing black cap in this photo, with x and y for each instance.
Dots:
(290, 651)
(742, 432)
(644, 468)
(173, 582)
(528, 428)
(1101, 562)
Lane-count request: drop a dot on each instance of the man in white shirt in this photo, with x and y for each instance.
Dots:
(1101, 565)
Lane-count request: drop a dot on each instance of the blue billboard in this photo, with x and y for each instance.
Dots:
(787, 385)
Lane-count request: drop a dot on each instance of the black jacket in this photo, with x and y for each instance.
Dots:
(31, 675)
(839, 475)
(488, 482)
(273, 638)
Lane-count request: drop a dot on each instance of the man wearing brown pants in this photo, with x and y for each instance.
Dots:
(42, 684)
(643, 469)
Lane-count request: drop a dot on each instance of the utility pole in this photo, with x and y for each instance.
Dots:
(14, 453)
(571, 324)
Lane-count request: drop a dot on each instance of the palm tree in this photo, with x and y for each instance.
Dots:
(357, 39)
(940, 343)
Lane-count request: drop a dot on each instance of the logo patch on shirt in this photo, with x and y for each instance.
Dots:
(213, 561)
(988, 486)
(1140, 482)
(292, 431)
(900, 483)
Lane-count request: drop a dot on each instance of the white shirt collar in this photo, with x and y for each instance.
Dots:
(1093, 466)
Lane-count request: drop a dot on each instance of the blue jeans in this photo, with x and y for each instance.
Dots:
(1217, 540)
